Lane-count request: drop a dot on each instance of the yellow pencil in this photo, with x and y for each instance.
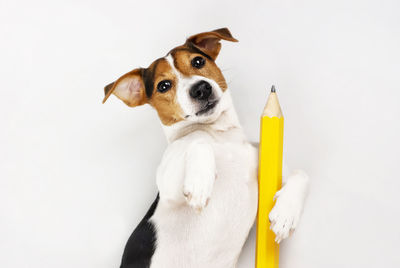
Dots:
(269, 180)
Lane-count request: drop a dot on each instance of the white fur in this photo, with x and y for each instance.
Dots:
(207, 181)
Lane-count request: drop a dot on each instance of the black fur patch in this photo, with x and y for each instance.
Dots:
(147, 75)
(141, 244)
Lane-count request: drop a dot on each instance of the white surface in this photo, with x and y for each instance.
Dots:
(77, 176)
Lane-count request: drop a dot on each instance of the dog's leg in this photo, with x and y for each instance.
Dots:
(186, 173)
(170, 174)
(199, 174)
(286, 213)
(290, 199)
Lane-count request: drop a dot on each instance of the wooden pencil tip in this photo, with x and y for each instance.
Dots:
(272, 107)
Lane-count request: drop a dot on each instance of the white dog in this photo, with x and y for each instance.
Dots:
(207, 178)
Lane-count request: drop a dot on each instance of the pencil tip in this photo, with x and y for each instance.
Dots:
(273, 90)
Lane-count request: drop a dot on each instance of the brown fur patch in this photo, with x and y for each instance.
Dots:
(166, 103)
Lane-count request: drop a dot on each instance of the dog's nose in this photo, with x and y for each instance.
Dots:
(201, 90)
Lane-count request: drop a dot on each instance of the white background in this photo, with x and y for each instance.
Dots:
(76, 176)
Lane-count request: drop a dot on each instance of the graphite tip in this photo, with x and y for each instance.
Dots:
(273, 90)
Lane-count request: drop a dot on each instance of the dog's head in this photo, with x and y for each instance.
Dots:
(184, 85)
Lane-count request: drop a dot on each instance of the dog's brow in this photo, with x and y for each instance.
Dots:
(193, 49)
(190, 48)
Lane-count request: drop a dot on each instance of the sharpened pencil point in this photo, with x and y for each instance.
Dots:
(273, 90)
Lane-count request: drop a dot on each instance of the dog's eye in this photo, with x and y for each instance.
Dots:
(164, 86)
(198, 62)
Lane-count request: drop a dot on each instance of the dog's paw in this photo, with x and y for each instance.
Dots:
(197, 191)
(200, 173)
(285, 215)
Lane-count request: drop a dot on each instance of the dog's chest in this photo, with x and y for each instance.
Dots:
(214, 237)
(236, 163)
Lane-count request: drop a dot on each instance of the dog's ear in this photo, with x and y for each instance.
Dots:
(209, 42)
(129, 88)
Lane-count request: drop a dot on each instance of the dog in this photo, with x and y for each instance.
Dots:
(207, 178)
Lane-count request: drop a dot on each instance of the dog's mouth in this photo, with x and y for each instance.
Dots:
(208, 107)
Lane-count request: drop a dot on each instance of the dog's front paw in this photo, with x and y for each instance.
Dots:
(200, 173)
(197, 190)
(285, 215)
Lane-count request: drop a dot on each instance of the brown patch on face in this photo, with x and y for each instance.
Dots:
(183, 57)
(165, 103)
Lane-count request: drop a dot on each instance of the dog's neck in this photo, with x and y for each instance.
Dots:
(225, 127)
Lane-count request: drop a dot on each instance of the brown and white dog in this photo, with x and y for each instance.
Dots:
(207, 179)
